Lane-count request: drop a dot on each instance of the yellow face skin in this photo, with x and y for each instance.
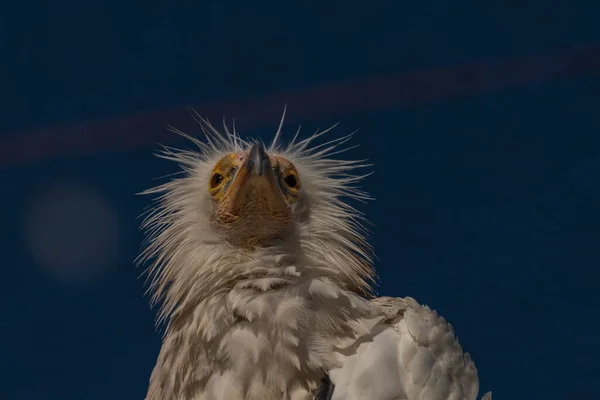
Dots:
(288, 175)
(253, 202)
(225, 170)
(221, 174)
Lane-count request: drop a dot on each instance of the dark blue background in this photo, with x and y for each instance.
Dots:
(487, 198)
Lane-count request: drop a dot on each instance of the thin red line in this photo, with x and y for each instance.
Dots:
(331, 101)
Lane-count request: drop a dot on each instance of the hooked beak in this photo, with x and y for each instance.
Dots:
(257, 161)
(255, 183)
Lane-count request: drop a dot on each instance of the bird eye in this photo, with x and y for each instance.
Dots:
(291, 181)
(216, 180)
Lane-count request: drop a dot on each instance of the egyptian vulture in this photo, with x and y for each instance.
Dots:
(263, 274)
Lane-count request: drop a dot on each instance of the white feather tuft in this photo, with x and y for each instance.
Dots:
(189, 260)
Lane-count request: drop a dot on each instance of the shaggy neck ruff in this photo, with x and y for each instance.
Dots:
(262, 331)
(252, 322)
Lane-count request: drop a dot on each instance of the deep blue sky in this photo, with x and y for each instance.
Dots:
(487, 204)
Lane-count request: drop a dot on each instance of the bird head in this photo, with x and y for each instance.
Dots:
(254, 196)
(239, 200)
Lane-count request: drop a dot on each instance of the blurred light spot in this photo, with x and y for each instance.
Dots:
(72, 232)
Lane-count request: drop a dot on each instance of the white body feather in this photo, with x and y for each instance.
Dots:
(269, 323)
(410, 354)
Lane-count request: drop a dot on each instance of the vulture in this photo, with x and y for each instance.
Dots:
(264, 274)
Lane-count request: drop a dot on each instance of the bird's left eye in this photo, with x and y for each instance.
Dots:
(291, 181)
(216, 180)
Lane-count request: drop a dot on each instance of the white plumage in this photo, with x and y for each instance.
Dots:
(411, 354)
(263, 274)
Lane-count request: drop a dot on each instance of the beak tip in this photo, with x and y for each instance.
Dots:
(258, 160)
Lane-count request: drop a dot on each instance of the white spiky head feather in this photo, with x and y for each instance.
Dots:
(191, 260)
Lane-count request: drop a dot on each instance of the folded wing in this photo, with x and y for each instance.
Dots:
(409, 353)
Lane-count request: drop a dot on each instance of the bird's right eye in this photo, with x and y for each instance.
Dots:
(216, 180)
(291, 181)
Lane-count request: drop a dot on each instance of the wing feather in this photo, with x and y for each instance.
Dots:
(409, 354)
